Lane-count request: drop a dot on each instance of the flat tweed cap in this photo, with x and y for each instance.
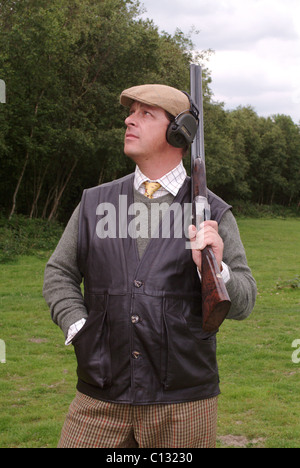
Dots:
(170, 99)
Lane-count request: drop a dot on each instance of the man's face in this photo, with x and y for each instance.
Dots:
(146, 132)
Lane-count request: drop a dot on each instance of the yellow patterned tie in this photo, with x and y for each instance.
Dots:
(150, 188)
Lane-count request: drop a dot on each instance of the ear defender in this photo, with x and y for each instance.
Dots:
(182, 131)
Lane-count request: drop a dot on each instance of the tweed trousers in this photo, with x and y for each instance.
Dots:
(93, 423)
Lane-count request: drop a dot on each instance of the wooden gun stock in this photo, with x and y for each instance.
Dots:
(215, 299)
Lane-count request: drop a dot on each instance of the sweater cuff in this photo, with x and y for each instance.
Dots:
(225, 273)
(73, 330)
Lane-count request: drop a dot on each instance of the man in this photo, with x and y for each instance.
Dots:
(147, 372)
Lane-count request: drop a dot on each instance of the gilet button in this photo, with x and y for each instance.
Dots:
(138, 284)
(135, 319)
(136, 354)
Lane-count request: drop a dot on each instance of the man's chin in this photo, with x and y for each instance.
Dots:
(132, 155)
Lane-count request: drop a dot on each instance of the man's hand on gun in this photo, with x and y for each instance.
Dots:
(207, 236)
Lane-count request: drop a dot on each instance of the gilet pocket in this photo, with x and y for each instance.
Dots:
(190, 360)
(91, 344)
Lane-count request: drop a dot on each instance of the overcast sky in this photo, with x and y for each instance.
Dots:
(256, 43)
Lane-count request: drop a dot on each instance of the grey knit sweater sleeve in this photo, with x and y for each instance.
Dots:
(242, 286)
(62, 281)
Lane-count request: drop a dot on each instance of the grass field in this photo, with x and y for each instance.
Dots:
(260, 401)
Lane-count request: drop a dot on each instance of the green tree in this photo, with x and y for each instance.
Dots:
(66, 64)
(226, 152)
(291, 167)
(244, 128)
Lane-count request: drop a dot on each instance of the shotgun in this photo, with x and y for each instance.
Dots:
(215, 299)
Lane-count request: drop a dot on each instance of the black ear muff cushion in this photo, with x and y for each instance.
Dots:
(182, 131)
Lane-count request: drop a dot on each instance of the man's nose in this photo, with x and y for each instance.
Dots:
(130, 120)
